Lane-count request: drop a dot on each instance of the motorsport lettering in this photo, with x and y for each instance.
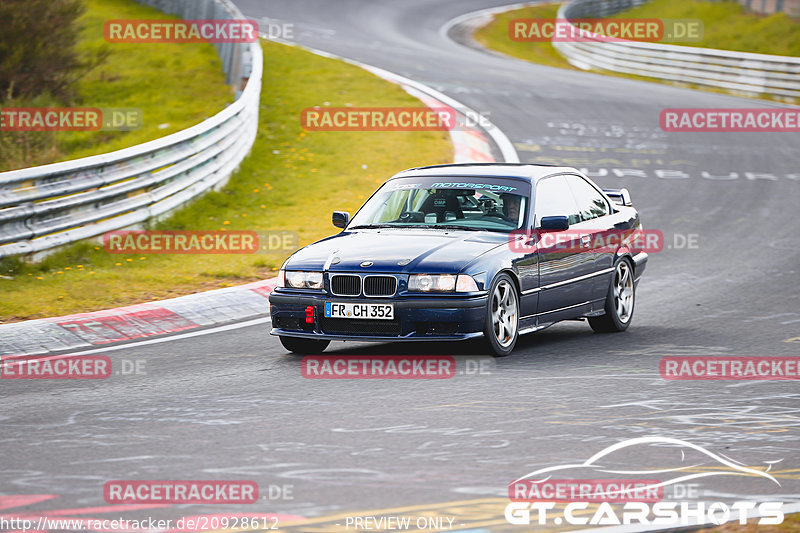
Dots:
(472, 186)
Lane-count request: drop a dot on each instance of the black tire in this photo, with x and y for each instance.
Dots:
(619, 311)
(302, 346)
(502, 316)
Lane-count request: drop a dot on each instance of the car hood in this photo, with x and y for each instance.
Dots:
(396, 251)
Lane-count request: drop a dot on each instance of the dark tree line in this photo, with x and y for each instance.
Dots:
(38, 49)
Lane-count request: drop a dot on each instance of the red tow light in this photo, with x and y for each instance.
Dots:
(310, 314)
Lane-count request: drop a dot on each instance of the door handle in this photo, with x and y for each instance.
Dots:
(585, 240)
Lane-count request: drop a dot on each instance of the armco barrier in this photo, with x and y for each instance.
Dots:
(48, 206)
(740, 72)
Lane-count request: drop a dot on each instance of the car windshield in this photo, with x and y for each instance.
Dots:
(469, 203)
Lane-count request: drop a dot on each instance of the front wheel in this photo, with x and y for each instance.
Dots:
(619, 301)
(501, 328)
(304, 346)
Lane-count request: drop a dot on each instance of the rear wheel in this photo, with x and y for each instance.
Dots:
(619, 301)
(502, 316)
(304, 346)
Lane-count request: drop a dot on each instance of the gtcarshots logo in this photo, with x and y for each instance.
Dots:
(602, 502)
(660, 513)
(180, 492)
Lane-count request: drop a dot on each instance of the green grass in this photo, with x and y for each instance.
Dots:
(291, 180)
(727, 25)
(176, 85)
(495, 36)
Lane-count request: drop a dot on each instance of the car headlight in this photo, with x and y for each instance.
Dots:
(466, 283)
(303, 280)
(441, 283)
(314, 280)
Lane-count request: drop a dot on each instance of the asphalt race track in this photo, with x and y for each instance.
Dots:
(233, 404)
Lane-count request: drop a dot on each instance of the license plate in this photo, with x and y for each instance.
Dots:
(363, 311)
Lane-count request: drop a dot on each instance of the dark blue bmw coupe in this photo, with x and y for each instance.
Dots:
(454, 252)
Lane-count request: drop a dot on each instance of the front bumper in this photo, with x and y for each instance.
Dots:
(639, 264)
(423, 318)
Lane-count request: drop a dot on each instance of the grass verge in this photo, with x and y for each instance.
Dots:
(495, 36)
(175, 85)
(727, 25)
(790, 524)
(291, 181)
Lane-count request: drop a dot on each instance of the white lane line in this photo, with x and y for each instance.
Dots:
(180, 336)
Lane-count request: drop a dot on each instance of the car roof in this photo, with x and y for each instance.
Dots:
(527, 171)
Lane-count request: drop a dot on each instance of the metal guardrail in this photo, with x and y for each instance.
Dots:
(739, 72)
(45, 207)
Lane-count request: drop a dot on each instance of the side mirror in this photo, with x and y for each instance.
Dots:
(554, 223)
(341, 218)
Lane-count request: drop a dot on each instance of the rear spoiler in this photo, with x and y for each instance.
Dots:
(619, 196)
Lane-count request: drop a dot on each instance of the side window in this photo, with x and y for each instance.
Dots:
(591, 203)
(554, 198)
